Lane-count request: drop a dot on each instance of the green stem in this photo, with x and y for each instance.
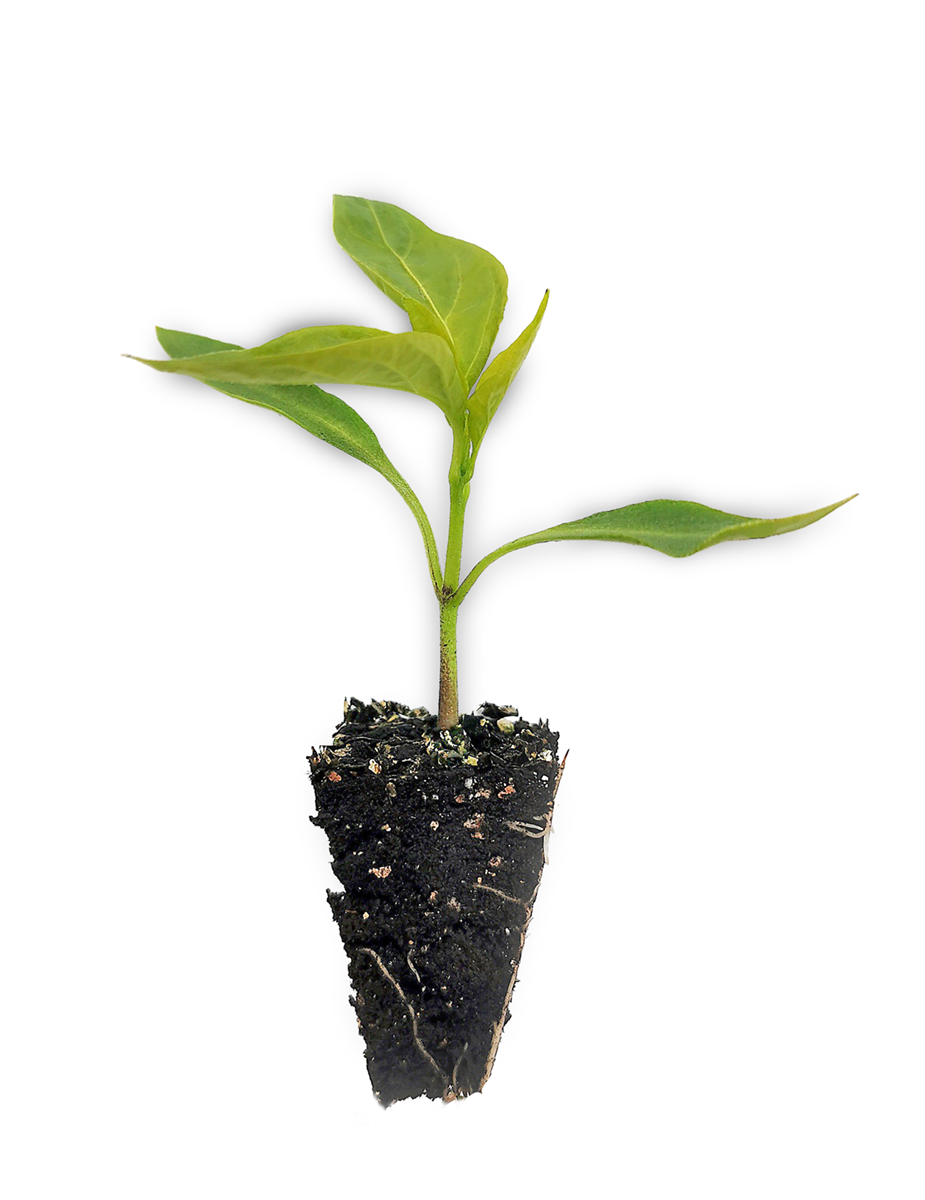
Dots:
(459, 496)
(448, 708)
(530, 540)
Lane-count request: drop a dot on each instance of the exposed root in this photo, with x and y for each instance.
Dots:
(559, 774)
(453, 1085)
(498, 1026)
(532, 831)
(448, 1088)
(555, 792)
(527, 831)
(504, 895)
(538, 831)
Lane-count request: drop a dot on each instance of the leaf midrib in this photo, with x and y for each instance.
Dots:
(423, 289)
(602, 535)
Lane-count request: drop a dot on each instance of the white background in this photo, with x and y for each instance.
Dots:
(722, 991)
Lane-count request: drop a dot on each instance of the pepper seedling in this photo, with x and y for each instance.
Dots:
(467, 786)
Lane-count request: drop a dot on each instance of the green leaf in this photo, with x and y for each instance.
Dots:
(676, 527)
(188, 345)
(498, 377)
(447, 287)
(322, 414)
(408, 362)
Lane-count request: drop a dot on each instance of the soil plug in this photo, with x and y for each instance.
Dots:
(438, 825)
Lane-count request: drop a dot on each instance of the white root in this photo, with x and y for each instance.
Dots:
(534, 831)
(414, 1021)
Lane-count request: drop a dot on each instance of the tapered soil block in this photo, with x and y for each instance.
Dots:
(439, 841)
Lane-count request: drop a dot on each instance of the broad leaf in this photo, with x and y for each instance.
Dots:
(676, 527)
(447, 287)
(407, 362)
(322, 414)
(498, 377)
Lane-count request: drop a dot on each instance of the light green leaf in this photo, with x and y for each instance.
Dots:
(408, 362)
(676, 527)
(317, 411)
(498, 377)
(447, 287)
(188, 345)
(322, 414)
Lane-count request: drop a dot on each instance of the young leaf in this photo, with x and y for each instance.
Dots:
(498, 377)
(322, 414)
(188, 345)
(676, 527)
(408, 362)
(447, 287)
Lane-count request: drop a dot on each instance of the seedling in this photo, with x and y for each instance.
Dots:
(463, 845)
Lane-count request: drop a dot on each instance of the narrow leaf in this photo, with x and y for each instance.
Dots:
(187, 345)
(498, 377)
(447, 287)
(322, 414)
(407, 362)
(676, 527)
(317, 411)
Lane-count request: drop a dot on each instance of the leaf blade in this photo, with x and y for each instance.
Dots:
(416, 362)
(317, 411)
(678, 528)
(187, 345)
(320, 413)
(447, 287)
(498, 377)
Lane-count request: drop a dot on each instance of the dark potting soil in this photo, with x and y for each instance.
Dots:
(439, 840)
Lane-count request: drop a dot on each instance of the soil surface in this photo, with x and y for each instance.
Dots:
(439, 841)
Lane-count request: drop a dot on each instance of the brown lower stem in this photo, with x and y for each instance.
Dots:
(448, 708)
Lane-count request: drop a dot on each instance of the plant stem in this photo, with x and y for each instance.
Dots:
(448, 708)
(530, 539)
